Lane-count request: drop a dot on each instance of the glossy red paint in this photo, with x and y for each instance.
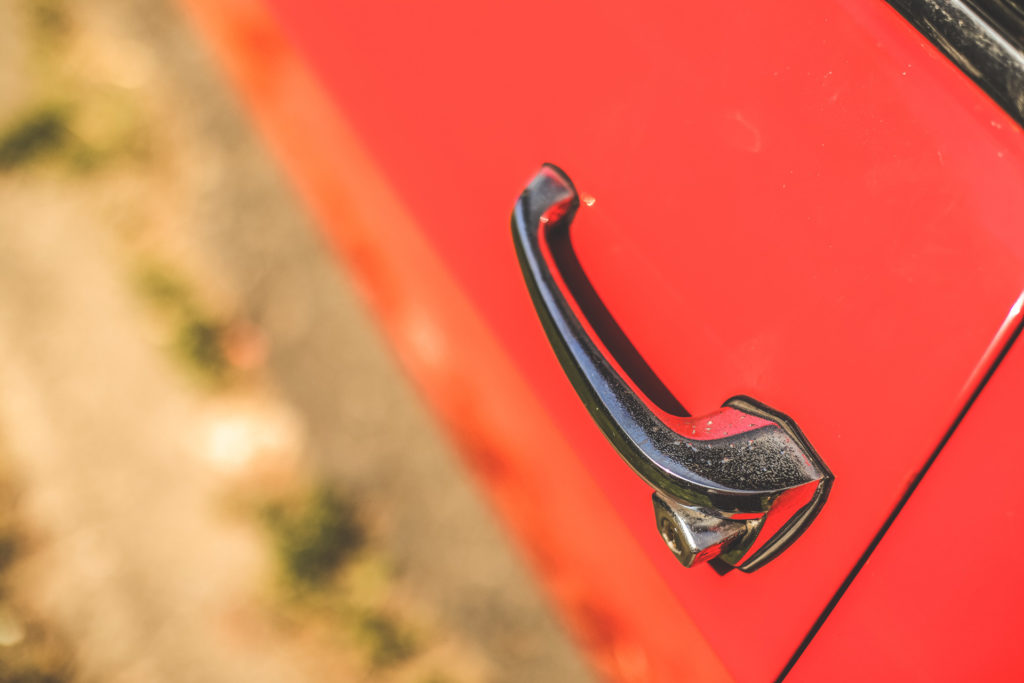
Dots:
(826, 201)
(826, 204)
(941, 597)
(507, 437)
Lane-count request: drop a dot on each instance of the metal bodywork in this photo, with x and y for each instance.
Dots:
(825, 206)
(941, 598)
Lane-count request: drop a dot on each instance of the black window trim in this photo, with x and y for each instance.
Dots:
(985, 38)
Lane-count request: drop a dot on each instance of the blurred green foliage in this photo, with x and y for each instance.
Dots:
(82, 122)
(386, 640)
(314, 535)
(41, 131)
(319, 540)
(197, 337)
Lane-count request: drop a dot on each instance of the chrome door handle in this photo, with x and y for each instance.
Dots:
(739, 484)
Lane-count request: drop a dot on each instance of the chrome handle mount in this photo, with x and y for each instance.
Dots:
(736, 486)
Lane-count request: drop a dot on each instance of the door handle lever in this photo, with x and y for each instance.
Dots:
(737, 485)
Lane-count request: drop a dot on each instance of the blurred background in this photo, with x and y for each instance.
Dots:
(211, 468)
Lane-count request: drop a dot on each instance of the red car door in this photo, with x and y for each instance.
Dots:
(806, 203)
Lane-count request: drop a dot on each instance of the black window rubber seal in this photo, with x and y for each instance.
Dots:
(985, 38)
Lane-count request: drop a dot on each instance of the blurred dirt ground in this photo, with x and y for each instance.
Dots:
(211, 468)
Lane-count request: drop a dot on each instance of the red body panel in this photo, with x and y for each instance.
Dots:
(827, 202)
(941, 597)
